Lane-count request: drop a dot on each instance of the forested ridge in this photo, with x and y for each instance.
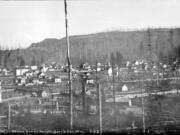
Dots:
(162, 44)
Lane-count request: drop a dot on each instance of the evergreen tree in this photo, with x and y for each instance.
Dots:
(33, 62)
(112, 59)
(119, 58)
(22, 61)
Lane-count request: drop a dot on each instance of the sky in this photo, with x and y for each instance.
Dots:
(26, 22)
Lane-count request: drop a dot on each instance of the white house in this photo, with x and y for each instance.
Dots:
(127, 63)
(137, 63)
(124, 88)
(51, 69)
(90, 81)
(98, 64)
(44, 69)
(42, 75)
(23, 80)
(44, 94)
(29, 73)
(21, 71)
(146, 67)
(34, 67)
(164, 66)
(36, 72)
(5, 71)
(88, 67)
(88, 92)
(36, 81)
(110, 72)
(98, 69)
(57, 80)
(34, 94)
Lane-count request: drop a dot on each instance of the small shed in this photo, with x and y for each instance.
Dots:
(57, 80)
(44, 94)
(110, 72)
(124, 88)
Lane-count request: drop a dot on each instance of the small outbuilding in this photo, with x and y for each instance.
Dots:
(124, 88)
(44, 94)
(110, 72)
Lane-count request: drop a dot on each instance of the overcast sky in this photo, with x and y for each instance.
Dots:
(25, 22)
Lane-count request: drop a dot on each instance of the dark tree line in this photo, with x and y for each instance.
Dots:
(116, 58)
(101, 47)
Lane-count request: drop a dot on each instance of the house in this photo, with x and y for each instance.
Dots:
(29, 84)
(88, 93)
(57, 80)
(90, 81)
(51, 69)
(124, 88)
(110, 72)
(41, 82)
(5, 71)
(98, 64)
(137, 63)
(42, 75)
(36, 72)
(98, 67)
(91, 92)
(44, 68)
(88, 67)
(22, 81)
(20, 71)
(29, 73)
(34, 94)
(44, 94)
(128, 64)
(92, 110)
(34, 67)
(36, 81)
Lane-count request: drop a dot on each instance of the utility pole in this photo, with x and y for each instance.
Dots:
(97, 88)
(9, 116)
(143, 117)
(52, 103)
(113, 88)
(100, 110)
(176, 79)
(84, 78)
(114, 95)
(157, 61)
(142, 98)
(69, 67)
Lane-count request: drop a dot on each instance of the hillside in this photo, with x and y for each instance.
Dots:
(131, 44)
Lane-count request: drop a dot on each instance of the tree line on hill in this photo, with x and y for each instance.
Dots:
(161, 44)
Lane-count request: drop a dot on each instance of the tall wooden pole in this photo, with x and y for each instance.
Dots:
(142, 98)
(84, 94)
(143, 117)
(100, 110)
(69, 68)
(9, 116)
(157, 61)
(97, 88)
(114, 96)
